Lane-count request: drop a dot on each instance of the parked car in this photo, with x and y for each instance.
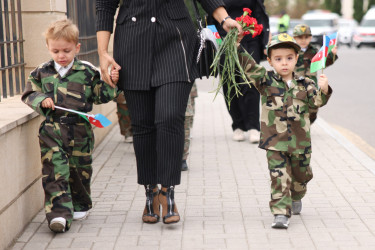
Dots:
(365, 33)
(274, 21)
(346, 31)
(321, 22)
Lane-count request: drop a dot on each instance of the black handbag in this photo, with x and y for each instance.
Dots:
(207, 48)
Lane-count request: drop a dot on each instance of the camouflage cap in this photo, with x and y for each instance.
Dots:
(284, 38)
(301, 29)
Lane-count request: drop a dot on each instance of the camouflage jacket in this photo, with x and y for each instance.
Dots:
(304, 62)
(285, 123)
(79, 89)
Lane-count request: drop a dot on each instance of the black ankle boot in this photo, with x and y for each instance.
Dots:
(151, 213)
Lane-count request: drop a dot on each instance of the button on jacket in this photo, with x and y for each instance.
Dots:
(155, 41)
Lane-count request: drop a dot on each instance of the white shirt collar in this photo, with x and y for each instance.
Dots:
(289, 83)
(61, 69)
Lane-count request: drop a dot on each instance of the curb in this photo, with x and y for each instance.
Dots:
(358, 154)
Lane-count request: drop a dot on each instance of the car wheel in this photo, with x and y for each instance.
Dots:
(358, 46)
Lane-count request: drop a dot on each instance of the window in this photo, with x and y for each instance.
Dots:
(12, 66)
(83, 13)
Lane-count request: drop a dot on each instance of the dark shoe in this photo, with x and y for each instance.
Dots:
(169, 209)
(296, 207)
(280, 221)
(151, 213)
(184, 166)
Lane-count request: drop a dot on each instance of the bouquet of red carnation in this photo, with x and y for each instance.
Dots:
(228, 49)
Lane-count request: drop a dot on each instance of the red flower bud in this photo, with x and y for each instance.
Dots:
(246, 11)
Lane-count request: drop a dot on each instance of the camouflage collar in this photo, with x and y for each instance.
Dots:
(278, 78)
(77, 65)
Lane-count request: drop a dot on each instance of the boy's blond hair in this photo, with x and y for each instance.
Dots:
(62, 29)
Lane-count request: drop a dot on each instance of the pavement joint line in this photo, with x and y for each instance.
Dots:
(358, 154)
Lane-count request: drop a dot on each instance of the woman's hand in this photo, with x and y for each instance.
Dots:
(107, 61)
(230, 24)
(219, 14)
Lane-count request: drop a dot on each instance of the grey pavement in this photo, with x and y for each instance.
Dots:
(223, 198)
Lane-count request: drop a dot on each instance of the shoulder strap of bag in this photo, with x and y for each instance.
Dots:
(197, 14)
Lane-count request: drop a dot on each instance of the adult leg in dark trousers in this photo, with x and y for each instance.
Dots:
(244, 109)
(157, 118)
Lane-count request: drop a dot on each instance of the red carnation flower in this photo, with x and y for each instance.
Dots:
(246, 10)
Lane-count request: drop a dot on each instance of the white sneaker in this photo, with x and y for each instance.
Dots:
(129, 139)
(57, 225)
(79, 215)
(254, 136)
(238, 135)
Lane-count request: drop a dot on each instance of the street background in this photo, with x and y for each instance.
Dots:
(351, 110)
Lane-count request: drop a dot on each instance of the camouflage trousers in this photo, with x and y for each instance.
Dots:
(289, 174)
(123, 116)
(189, 118)
(187, 128)
(66, 155)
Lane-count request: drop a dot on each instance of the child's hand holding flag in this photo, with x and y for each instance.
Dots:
(98, 120)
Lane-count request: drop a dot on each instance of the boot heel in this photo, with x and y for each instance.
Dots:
(151, 213)
(169, 209)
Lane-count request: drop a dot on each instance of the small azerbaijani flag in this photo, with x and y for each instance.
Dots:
(319, 60)
(332, 41)
(216, 34)
(98, 120)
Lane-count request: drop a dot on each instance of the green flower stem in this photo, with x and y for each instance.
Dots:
(231, 67)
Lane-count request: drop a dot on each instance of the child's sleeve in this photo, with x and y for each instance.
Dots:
(316, 97)
(254, 72)
(102, 92)
(33, 94)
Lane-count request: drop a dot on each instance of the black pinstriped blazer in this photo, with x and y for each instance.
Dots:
(155, 41)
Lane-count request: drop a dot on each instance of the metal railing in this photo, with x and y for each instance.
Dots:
(82, 13)
(12, 66)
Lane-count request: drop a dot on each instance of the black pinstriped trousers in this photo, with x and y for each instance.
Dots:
(157, 118)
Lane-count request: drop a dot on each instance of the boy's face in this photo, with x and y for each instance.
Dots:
(283, 60)
(303, 40)
(62, 51)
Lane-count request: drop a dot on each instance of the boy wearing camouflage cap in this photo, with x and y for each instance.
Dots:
(285, 125)
(66, 139)
(302, 35)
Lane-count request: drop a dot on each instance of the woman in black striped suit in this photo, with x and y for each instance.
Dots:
(155, 44)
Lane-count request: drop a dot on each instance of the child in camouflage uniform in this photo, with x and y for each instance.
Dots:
(285, 125)
(302, 35)
(66, 139)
